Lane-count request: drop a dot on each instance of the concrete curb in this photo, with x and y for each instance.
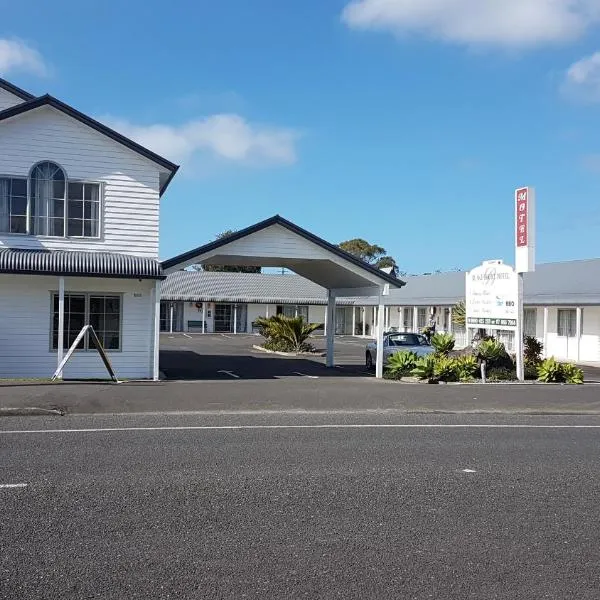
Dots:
(261, 349)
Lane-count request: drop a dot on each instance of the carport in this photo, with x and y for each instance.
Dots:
(277, 242)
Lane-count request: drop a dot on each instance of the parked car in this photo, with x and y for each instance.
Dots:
(397, 342)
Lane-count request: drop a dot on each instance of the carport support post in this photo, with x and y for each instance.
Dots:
(61, 321)
(234, 319)
(380, 328)
(204, 317)
(171, 317)
(354, 320)
(330, 327)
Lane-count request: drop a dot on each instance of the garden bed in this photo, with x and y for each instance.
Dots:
(280, 353)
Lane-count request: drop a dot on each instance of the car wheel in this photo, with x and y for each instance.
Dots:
(369, 361)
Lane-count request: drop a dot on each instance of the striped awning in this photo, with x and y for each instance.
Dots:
(79, 263)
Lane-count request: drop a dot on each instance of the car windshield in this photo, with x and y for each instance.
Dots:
(406, 339)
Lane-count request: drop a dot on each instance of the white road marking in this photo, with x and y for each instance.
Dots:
(468, 471)
(227, 336)
(187, 336)
(12, 485)
(305, 375)
(229, 373)
(332, 426)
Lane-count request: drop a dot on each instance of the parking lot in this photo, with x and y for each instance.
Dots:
(222, 356)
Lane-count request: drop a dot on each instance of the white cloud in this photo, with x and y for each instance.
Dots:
(582, 79)
(508, 23)
(227, 137)
(16, 55)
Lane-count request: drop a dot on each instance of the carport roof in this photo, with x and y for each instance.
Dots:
(251, 288)
(277, 242)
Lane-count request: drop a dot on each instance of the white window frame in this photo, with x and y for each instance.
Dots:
(68, 180)
(572, 326)
(86, 348)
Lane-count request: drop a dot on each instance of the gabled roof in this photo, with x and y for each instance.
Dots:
(278, 220)
(32, 103)
(16, 91)
(80, 263)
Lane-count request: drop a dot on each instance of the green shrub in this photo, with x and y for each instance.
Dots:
(490, 351)
(443, 343)
(401, 364)
(501, 374)
(445, 369)
(571, 373)
(532, 350)
(425, 368)
(531, 373)
(550, 371)
(466, 367)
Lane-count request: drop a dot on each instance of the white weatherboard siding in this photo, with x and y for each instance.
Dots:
(590, 334)
(25, 330)
(130, 182)
(8, 100)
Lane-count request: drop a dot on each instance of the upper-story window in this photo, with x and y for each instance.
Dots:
(49, 204)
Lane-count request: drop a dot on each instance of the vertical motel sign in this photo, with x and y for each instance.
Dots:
(525, 230)
(524, 260)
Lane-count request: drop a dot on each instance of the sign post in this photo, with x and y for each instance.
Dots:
(524, 259)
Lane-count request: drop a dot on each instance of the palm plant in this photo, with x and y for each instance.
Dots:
(287, 333)
(459, 314)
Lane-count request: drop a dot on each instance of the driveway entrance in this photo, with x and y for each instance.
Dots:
(224, 356)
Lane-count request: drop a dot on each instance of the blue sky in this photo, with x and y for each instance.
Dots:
(406, 122)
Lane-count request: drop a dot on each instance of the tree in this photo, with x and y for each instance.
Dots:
(226, 268)
(372, 254)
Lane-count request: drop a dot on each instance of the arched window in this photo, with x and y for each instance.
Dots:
(48, 194)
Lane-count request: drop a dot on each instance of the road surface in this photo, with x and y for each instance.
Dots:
(309, 506)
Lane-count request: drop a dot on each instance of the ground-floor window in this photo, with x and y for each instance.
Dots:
(421, 317)
(102, 311)
(408, 319)
(293, 310)
(530, 321)
(225, 314)
(567, 318)
(165, 316)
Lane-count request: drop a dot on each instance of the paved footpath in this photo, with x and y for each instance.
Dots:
(298, 393)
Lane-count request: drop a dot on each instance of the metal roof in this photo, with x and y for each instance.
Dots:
(259, 288)
(84, 264)
(566, 283)
(561, 283)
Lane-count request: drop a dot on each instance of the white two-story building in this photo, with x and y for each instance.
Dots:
(79, 226)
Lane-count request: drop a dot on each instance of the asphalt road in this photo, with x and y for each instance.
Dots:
(234, 511)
